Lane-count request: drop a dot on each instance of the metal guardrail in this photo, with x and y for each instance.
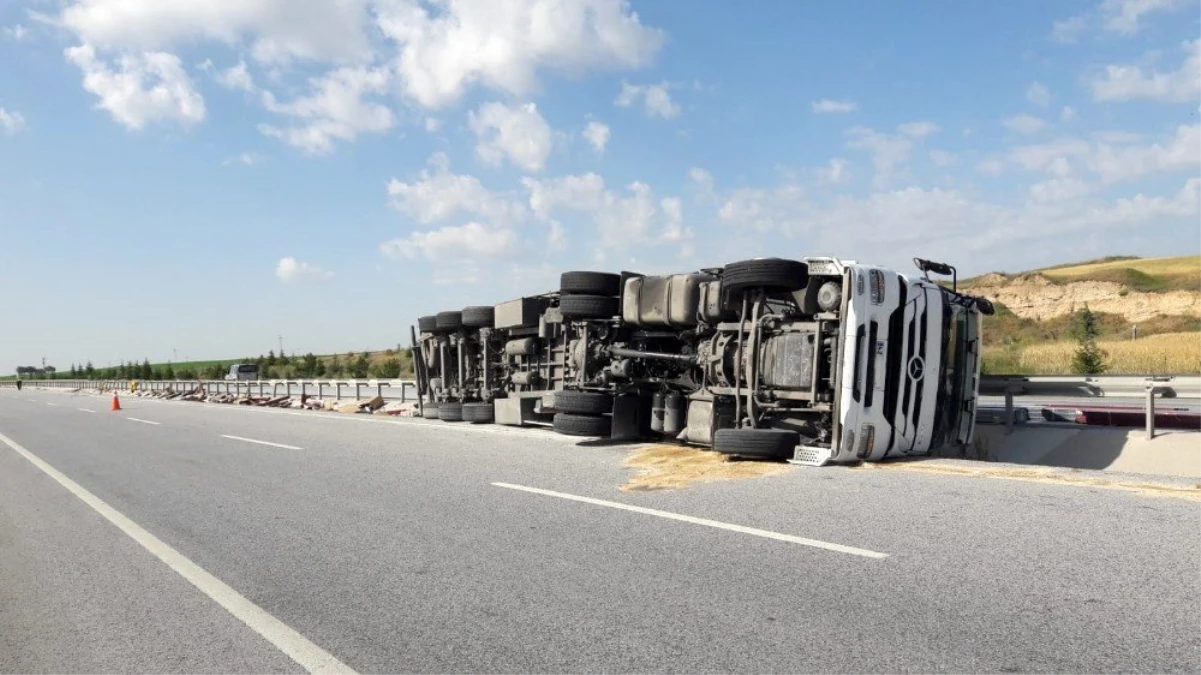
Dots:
(1094, 386)
(387, 389)
(1171, 386)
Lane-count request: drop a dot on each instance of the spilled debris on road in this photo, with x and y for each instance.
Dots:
(672, 467)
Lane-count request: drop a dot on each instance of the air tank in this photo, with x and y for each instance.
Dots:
(673, 413)
(657, 411)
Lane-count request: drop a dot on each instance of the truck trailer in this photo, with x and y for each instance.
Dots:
(814, 361)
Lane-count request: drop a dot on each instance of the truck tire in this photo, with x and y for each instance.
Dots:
(583, 402)
(773, 274)
(589, 283)
(427, 324)
(478, 317)
(582, 425)
(430, 411)
(450, 412)
(449, 321)
(775, 444)
(588, 306)
(478, 412)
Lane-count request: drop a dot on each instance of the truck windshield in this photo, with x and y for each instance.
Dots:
(954, 368)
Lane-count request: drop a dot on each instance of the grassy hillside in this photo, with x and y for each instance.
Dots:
(1148, 275)
(1166, 344)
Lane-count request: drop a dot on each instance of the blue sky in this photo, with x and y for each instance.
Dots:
(202, 178)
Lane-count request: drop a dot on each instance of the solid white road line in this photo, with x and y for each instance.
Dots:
(85, 410)
(296, 646)
(251, 440)
(52, 405)
(702, 521)
(134, 419)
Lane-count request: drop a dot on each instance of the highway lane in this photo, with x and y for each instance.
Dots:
(387, 543)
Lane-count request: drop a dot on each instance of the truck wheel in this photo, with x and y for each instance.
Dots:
(430, 411)
(478, 317)
(478, 412)
(450, 412)
(449, 321)
(589, 283)
(427, 324)
(582, 425)
(773, 274)
(588, 306)
(756, 443)
(583, 402)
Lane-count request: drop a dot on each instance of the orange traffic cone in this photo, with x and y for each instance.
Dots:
(116, 402)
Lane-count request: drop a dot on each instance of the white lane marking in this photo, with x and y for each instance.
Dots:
(33, 400)
(134, 419)
(52, 405)
(815, 543)
(296, 646)
(85, 410)
(251, 440)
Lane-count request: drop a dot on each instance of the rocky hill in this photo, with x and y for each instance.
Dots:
(1155, 296)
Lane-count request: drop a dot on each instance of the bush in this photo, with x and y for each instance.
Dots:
(1089, 359)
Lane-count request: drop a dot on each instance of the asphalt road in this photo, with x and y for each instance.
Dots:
(386, 545)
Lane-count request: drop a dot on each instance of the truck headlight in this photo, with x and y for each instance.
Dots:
(867, 440)
(877, 287)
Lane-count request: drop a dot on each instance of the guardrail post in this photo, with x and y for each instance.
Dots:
(337, 390)
(1008, 411)
(358, 390)
(379, 389)
(1150, 410)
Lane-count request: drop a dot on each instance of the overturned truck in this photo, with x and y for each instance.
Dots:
(815, 360)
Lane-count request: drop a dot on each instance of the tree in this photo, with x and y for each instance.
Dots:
(307, 367)
(147, 371)
(360, 367)
(89, 371)
(270, 358)
(74, 372)
(1089, 359)
(169, 372)
(335, 367)
(283, 359)
(319, 369)
(387, 369)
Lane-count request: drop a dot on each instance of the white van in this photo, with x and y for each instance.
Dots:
(243, 371)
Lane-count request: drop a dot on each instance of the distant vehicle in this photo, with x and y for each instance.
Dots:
(243, 371)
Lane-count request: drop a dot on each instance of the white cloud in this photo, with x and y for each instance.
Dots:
(1182, 152)
(471, 241)
(516, 133)
(889, 151)
(702, 179)
(942, 158)
(1058, 190)
(835, 171)
(17, 32)
(245, 159)
(1038, 95)
(991, 167)
(437, 48)
(290, 269)
(432, 124)
(236, 77)
(501, 44)
(11, 121)
(440, 195)
(918, 129)
(597, 135)
(148, 87)
(655, 99)
(1069, 30)
(830, 106)
(276, 30)
(334, 111)
(1122, 16)
(620, 220)
(1067, 114)
(1024, 124)
(1130, 82)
